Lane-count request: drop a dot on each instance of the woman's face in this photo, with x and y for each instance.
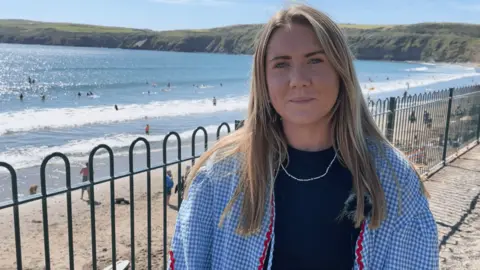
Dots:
(302, 84)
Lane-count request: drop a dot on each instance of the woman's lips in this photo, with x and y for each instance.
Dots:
(301, 100)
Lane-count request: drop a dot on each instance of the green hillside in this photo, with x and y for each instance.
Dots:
(443, 42)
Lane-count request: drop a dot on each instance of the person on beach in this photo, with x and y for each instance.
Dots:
(181, 186)
(309, 182)
(147, 129)
(169, 186)
(84, 172)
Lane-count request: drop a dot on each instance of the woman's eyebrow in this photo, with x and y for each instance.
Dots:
(287, 57)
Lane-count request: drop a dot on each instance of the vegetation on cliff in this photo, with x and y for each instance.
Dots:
(441, 42)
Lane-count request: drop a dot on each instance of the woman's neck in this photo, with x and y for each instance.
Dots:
(311, 138)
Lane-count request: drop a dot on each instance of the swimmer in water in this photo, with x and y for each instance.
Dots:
(21, 96)
(214, 101)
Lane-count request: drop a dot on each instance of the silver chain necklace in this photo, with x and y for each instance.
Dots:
(313, 178)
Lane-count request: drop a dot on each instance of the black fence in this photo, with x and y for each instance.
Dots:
(430, 128)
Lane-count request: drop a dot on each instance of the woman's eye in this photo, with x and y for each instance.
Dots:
(280, 65)
(315, 61)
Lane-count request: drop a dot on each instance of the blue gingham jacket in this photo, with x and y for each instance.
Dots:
(407, 238)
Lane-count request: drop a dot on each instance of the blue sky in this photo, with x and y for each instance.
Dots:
(182, 14)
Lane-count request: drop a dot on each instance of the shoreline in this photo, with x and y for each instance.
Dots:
(55, 171)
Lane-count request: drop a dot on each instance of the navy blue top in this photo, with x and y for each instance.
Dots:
(308, 231)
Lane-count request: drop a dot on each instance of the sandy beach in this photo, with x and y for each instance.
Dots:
(32, 228)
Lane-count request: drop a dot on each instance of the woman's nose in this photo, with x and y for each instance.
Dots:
(299, 77)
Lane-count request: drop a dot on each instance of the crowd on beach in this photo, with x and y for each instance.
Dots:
(179, 188)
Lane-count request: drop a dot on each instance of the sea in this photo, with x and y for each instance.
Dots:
(169, 91)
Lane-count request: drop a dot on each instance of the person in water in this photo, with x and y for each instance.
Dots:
(309, 181)
(116, 107)
(214, 101)
(147, 129)
(21, 96)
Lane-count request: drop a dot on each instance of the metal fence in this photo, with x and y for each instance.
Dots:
(429, 128)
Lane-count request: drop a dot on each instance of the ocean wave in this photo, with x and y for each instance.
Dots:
(417, 69)
(60, 118)
(395, 85)
(15, 89)
(78, 150)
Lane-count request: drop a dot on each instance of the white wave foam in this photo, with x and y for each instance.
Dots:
(57, 118)
(417, 69)
(205, 86)
(394, 85)
(78, 150)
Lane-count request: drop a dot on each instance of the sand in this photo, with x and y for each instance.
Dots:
(32, 236)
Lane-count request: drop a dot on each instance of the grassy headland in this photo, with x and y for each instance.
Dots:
(440, 42)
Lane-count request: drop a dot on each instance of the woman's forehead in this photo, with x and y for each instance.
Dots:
(297, 39)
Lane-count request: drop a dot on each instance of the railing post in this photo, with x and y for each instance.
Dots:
(238, 124)
(478, 124)
(447, 125)
(392, 106)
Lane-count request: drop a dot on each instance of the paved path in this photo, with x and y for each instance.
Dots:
(455, 192)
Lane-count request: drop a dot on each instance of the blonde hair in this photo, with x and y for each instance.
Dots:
(262, 135)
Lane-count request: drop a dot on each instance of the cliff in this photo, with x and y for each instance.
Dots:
(441, 42)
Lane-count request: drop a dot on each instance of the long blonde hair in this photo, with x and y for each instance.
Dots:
(262, 135)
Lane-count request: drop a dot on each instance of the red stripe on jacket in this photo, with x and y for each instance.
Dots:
(358, 252)
(268, 238)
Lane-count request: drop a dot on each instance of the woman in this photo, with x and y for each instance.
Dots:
(309, 182)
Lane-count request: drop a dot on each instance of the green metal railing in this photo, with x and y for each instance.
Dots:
(429, 128)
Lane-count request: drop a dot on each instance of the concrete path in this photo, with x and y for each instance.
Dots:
(454, 201)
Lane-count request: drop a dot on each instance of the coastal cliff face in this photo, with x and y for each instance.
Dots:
(441, 42)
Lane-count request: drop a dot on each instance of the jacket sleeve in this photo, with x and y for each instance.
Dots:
(414, 242)
(192, 240)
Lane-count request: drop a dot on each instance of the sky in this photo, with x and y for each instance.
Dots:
(200, 14)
